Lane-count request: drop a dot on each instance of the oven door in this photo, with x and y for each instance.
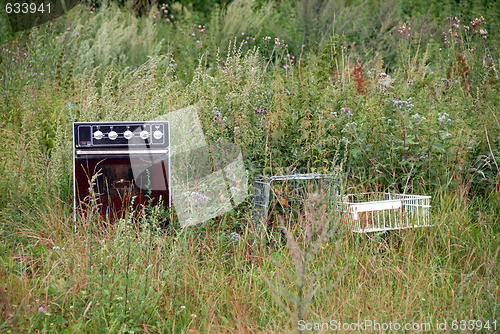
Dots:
(116, 180)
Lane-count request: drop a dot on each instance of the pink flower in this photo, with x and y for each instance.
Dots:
(41, 309)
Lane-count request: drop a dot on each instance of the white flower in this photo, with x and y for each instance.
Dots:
(444, 118)
(183, 307)
(348, 125)
(193, 315)
(235, 236)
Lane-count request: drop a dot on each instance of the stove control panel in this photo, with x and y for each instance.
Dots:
(120, 134)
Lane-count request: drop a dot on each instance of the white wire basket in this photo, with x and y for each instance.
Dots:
(377, 212)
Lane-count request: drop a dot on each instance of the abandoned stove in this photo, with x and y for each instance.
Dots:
(120, 165)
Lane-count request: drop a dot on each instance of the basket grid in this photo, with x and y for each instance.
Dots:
(377, 212)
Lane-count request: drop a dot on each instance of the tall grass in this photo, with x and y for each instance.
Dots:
(138, 278)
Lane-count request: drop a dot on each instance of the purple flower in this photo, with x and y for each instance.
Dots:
(41, 309)
(346, 112)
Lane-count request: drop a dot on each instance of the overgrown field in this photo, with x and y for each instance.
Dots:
(398, 96)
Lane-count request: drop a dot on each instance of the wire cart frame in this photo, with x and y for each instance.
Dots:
(328, 184)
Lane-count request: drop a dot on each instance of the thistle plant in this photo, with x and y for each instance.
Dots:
(318, 227)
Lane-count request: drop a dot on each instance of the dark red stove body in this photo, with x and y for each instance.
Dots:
(117, 164)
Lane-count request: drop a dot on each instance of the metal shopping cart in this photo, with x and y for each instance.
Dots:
(293, 189)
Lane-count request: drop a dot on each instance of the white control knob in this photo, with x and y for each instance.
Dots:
(112, 135)
(98, 135)
(157, 134)
(144, 134)
(128, 134)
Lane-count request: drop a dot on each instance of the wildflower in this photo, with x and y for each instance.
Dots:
(444, 118)
(193, 315)
(477, 22)
(41, 309)
(348, 125)
(416, 116)
(183, 307)
(403, 103)
(346, 112)
(235, 236)
(260, 111)
(405, 29)
(447, 136)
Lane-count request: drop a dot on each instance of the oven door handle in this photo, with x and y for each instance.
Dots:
(121, 152)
